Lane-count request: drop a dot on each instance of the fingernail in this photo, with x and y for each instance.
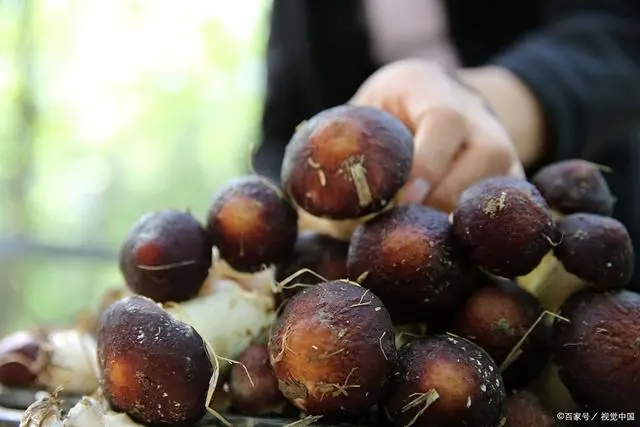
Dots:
(414, 192)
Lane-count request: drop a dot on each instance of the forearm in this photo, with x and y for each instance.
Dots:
(584, 72)
(570, 89)
(515, 105)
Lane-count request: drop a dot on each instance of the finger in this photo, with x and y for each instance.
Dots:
(413, 192)
(493, 130)
(477, 163)
(517, 171)
(364, 97)
(370, 94)
(391, 104)
(440, 135)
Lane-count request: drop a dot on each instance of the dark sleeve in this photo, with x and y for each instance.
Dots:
(283, 107)
(584, 68)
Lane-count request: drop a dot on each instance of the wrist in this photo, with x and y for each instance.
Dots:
(514, 104)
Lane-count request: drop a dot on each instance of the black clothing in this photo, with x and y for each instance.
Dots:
(580, 57)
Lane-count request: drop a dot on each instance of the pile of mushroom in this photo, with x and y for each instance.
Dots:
(321, 299)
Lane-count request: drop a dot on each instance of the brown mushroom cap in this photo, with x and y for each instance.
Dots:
(408, 257)
(598, 351)
(152, 366)
(254, 391)
(497, 317)
(347, 162)
(22, 358)
(166, 256)
(332, 350)
(573, 186)
(252, 224)
(505, 225)
(597, 249)
(456, 379)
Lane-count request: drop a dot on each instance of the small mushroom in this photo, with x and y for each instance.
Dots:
(22, 358)
(152, 366)
(409, 258)
(332, 350)
(575, 186)
(594, 251)
(570, 187)
(49, 359)
(598, 349)
(253, 384)
(505, 225)
(597, 249)
(252, 224)
(347, 163)
(443, 381)
(497, 317)
(166, 256)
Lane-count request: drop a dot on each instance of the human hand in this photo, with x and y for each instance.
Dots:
(458, 139)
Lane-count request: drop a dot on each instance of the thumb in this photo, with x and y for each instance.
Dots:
(439, 137)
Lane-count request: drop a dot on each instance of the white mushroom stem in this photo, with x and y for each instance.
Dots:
(71, 362)
(553, 394)
(338, 229)
(229, 319)
(261, 282)
(88, 412)
(550, 282)
(552, 285)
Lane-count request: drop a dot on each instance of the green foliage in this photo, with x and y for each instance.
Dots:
(142, 105)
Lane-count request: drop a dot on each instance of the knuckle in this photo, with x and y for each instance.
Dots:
(500, 157)
(449, 115)
(445, 116)
(442, 201)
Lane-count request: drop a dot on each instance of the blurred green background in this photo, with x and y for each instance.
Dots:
(110, 109)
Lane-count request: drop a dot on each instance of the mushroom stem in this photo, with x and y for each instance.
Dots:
(72, 363)
(596, 249)
(338, 229)
(230, 319)
(551, 391)
(88, 412)
(260, 282)
(569, 186)
(551, 283)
